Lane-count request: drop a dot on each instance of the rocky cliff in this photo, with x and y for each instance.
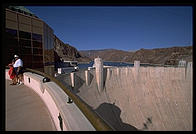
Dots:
(67, 52)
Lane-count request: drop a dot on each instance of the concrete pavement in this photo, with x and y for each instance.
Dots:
(25, 111)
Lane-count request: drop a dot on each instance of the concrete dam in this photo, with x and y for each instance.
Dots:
(137, 98)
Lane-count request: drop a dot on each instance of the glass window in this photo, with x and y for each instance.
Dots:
(26, 50)
(11, 32)
(37, 51)
(37, 37)
(27, 60)
(45, 41)
(51, 43)
(37, 59)
(25, 43)
(25, 35)
(37, 65)
(37, 44)
(48, 42)
(12, 43)
(11, 51)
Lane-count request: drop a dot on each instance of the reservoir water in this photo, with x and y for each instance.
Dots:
(117, 64)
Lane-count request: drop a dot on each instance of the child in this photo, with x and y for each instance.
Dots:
(12, 74)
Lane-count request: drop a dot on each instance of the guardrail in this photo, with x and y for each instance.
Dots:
(98, 123)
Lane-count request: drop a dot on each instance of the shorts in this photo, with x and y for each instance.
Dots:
(20, 71)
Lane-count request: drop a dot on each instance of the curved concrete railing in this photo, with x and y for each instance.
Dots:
(76, 116)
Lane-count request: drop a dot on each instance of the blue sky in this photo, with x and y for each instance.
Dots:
(119, 27)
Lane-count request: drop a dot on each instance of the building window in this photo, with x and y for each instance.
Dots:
(25, 35)
(37, 44)
(37, 37)
(27, 58)
(51, 42)
(38, 59)
(25, 43)
(11, 32)
(48, 42)
(26, 51)
(12, 43)
(37, 51)
(45, 41)
(38, 65)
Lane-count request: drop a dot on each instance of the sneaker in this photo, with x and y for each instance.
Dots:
(20, 83)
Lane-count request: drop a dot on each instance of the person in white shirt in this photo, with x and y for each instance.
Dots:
(18, 67)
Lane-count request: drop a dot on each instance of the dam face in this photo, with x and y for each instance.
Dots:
(144, 98)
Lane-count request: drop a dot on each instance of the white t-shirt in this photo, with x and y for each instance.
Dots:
(18, 63)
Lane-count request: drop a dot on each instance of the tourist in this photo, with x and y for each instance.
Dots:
(12, 73)
(18, 67)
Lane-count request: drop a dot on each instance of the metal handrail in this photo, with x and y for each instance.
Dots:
(98, 123)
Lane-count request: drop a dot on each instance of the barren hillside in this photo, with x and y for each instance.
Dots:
(168, 56)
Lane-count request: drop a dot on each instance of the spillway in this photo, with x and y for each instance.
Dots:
(138, 98)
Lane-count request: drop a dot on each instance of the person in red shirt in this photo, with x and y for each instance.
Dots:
(12, 73)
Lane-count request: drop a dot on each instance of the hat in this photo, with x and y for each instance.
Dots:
(16, 56)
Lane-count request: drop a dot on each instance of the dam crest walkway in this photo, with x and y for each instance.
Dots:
(25, 111)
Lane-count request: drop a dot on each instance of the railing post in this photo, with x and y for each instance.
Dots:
(72, 75)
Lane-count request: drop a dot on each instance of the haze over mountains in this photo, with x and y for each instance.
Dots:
(166, 56)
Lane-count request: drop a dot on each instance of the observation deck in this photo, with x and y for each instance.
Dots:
(25, 111)
(43, 106)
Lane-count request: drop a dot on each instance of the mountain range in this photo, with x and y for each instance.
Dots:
(166, 56)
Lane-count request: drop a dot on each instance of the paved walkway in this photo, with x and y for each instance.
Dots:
(25, 111)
